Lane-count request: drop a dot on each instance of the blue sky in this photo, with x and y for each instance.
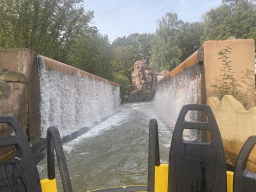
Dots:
(117, 18)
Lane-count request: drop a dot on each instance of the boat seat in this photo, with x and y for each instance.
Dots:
(20, 173)
(244, 181)
(197, 166)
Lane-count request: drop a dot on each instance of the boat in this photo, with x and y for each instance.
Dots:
(194, 166)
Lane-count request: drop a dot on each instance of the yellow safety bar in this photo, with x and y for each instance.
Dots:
(48, 185)
(161, 180)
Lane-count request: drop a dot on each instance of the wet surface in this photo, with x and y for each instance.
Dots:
(114, 153)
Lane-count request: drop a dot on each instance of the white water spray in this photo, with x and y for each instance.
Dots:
(173, 94)
(71, 102)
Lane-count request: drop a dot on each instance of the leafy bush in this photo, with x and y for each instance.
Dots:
(125, 85)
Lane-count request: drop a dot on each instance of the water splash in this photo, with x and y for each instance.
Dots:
(71, 102)
(173, 94)
(113, 153)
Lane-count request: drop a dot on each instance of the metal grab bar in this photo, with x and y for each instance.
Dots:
(54, 142)
(153, 154)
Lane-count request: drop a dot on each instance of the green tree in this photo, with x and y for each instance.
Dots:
(125, 84)
(92, 53)
(140, 43)
(189, 38)
(125, 41)
(143, 45)
(48, 27)
(123, 61)
(234, 18)
(124, 58)
(127, 50)
(166, 53)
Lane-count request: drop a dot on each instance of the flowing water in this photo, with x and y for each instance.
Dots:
(71, 102)
(114, 153)
(174, 93)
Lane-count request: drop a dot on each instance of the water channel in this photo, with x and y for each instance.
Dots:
(115, 152)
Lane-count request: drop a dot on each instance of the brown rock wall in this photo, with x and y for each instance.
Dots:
(143, 82)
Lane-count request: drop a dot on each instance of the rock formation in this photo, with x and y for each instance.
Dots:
(143, 83)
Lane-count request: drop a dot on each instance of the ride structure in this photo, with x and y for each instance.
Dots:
(194, 166)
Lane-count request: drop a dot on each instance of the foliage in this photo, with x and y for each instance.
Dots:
(48, 27)
(140, 43)
(60, 29)
(125, 41)
(188, 38)
(1, 97)
(232, 19)
(228, 80)
(123, 61)
(175, 41)
(92, 53)
(166, 53)
(125, 57)
(125, 84)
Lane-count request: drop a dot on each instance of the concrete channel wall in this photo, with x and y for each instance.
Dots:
(22, 93)
(236, 124)
(181, 86)
(235, 121)
(242, 62)
(72, 99)
(23, 98)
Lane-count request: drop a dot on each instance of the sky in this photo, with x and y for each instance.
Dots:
(118, 18)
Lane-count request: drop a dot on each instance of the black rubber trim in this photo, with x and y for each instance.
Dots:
(40, 150)
(230, 167)
(243, 182)
(40, 156)
(123, 189)
(74, 135)
(39, 146)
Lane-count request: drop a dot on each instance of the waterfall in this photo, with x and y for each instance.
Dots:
(174, 93)
(71, 102)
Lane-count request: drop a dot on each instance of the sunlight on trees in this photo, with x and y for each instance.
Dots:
(60, 29)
